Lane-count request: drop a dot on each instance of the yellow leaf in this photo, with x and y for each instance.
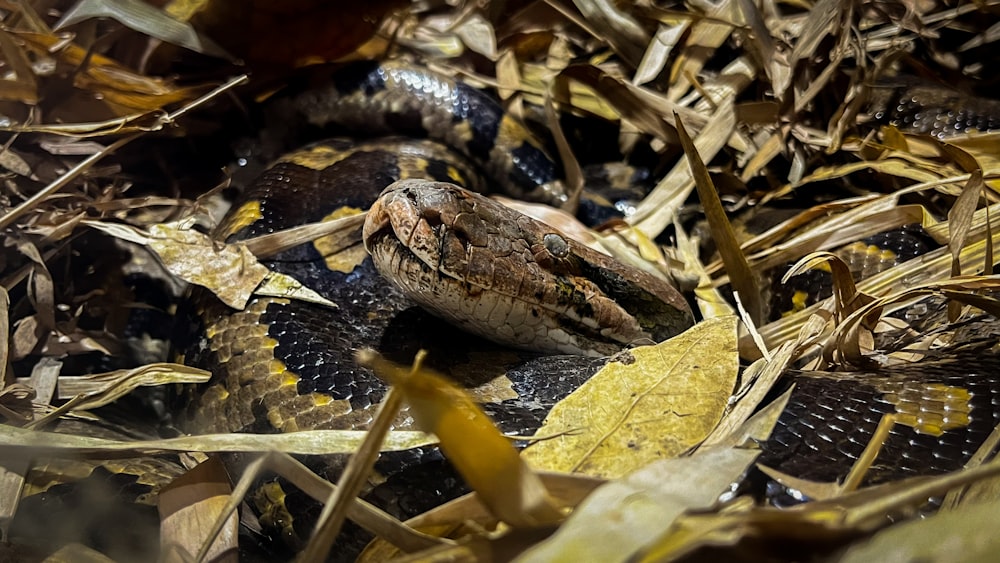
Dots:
(653, 403)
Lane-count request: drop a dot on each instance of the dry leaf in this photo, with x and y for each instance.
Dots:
(650, 403)
(230, 271)
(466, 516)
(280, 285)
(816, 523)
(969, 531)
(741, 278)
(143, 18)
(625, 515)
(660, 207)
(99, 389)
(116, 83)
(190, 505)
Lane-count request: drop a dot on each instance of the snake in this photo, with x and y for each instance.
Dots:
(514, 310)
(529, 313)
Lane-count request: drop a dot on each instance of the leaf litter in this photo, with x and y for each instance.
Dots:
(769, 96)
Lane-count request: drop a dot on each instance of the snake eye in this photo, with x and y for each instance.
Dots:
(556, 245)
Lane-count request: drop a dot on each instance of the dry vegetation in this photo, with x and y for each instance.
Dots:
(122, 122)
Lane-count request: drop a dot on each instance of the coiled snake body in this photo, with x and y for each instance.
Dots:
(285, 365)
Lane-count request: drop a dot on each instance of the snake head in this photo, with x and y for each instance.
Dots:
(509, 278)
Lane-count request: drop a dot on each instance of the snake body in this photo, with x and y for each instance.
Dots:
(284, 365)
(392, 97)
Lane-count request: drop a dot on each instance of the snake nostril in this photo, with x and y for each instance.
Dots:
(432, 217)
(556, 245)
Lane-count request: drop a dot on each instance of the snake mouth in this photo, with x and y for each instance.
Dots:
(512, 321)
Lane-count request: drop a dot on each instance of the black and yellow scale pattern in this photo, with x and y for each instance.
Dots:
(945, 409)
(864, 258)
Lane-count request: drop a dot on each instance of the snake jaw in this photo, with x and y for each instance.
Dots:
(511, 279)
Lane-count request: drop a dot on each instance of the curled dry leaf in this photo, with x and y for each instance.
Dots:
(846, 296)
(843, 345)
(930, 269)
(650, 403)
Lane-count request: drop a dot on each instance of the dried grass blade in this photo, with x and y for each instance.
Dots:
(961, 216)
(623, 99)
(659, 208)
(347, 229)
(740, 275)
(349, 486)
(16, 443)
